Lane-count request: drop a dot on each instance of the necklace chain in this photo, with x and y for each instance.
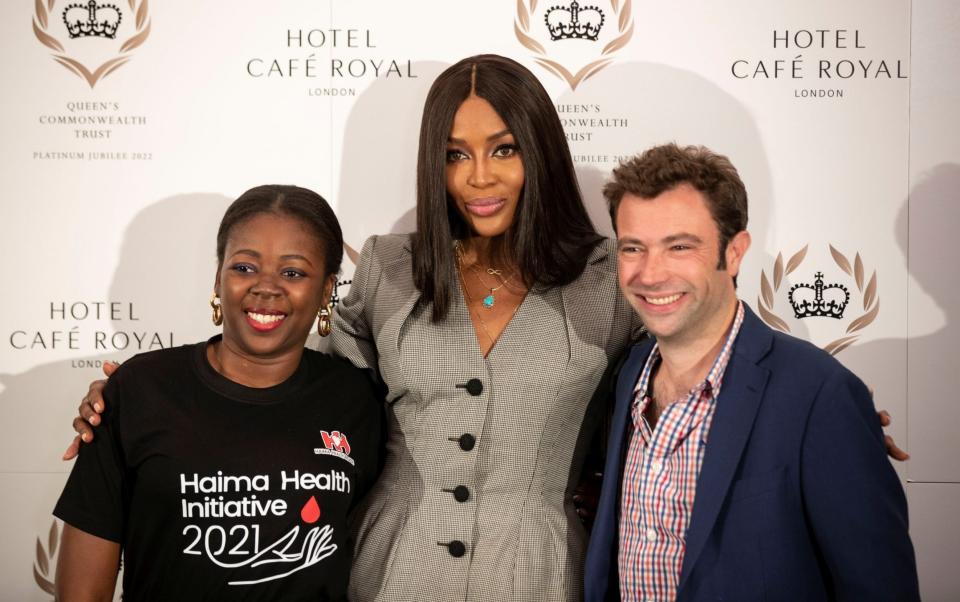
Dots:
(483, 325)
(466, 293)
(490, 300)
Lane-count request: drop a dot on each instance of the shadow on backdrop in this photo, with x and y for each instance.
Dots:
(926, 232)
(166, 268)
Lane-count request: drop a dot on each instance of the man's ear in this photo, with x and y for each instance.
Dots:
(736, 249)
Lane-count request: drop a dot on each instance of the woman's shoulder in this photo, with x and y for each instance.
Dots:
(158, 361)
(150, 371)
(603, 257)
(332, 368)
(327, 363)
(386, 247)
(384, 267)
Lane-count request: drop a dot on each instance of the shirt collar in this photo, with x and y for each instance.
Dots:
(714, 377)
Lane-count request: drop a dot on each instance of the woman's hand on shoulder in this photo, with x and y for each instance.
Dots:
(90, 407)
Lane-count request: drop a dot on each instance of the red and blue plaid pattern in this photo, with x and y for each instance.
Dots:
(660, 480)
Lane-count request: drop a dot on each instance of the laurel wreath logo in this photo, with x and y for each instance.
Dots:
(521, 27)
(40, 29)
(871, 301)
(41, 567)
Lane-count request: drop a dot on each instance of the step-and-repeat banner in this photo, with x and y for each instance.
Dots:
(129, 125)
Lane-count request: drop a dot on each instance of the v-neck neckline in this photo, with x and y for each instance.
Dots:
(464, 299)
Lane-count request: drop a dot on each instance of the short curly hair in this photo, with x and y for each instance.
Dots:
(665, 167)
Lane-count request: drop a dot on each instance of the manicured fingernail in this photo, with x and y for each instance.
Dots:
(98, 407)
(85, 437)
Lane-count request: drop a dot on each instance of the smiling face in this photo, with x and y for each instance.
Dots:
(271, 285)
(484, 169)
(668, 258)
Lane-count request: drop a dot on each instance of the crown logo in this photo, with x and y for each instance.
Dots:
(92, 20)
(832, 307)
(572, 22)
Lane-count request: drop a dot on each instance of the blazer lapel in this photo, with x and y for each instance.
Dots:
(608, 512)
(621, 413)
(404, 297)
(740, 397)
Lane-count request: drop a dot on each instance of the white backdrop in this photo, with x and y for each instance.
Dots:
(840, 116)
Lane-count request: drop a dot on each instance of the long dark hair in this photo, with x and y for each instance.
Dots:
(293, 201)
(551, 236)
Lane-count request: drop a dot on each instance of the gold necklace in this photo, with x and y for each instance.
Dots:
(483, 325)
(490, 299)
(466, 293)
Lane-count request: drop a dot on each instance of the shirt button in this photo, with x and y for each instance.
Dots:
(651, 535)
(461, 493)
(656, 465)
(473, 386)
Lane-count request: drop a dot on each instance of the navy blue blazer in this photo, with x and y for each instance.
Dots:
(796, 499)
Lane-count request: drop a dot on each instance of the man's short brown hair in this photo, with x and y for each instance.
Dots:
(662, 168)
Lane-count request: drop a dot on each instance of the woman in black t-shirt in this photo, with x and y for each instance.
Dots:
(225, 470)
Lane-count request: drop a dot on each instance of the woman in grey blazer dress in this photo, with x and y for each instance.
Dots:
(486, 406)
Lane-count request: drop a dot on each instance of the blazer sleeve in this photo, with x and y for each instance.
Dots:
(352, 336)
(853, 497)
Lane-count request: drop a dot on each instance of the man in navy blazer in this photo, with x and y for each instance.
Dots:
(743, 464)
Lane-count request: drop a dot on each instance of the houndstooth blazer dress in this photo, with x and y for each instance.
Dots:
(474, 502)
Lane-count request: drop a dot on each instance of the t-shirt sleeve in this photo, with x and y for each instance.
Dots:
(92, 499)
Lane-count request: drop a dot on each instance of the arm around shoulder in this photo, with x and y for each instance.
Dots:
(853, 498)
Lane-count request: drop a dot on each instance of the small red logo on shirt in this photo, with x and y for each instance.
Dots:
(336, 440)
(310, 513)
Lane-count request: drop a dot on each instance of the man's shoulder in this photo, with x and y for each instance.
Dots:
(782, 352)
(791, 353)
(799, 373)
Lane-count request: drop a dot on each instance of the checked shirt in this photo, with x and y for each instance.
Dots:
(660, 480)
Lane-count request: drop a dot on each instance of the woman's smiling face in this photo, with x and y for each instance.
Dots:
(271, 285)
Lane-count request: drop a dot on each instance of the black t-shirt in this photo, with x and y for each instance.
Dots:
(217, 491)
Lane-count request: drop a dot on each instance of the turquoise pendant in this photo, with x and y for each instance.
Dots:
(488, 301)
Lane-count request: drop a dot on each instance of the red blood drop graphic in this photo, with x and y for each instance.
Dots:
(310, 513)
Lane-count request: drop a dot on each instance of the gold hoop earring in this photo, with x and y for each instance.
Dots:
(323, 320)
(217, 310)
